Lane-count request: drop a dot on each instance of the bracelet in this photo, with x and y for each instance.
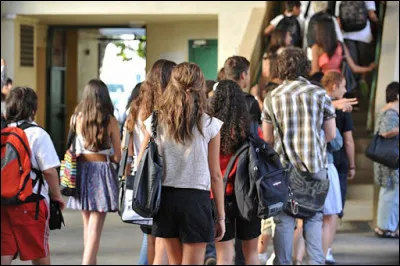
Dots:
(352, 168)
(221, 219)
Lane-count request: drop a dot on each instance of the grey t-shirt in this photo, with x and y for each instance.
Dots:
(186, 166)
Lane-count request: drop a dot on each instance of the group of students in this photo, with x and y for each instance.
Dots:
(200, 126)
(325, 34)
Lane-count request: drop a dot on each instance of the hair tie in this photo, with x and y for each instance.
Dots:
(215, 86)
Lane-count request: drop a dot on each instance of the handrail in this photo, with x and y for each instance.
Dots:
(374, 83)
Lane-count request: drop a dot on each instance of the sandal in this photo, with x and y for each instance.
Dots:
(386, 233)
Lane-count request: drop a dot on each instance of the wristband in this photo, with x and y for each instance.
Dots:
(352, 168)
(221, 219)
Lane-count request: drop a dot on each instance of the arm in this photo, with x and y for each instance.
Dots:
(128, 167)
(269, 29)
(330, 129)
(217, 185)
(315, 56)
(356, 68)
(350, 151)
(390, 134)
(143, 147)
(115, 140)
(337, 143)
(51, 177)
(268, 133)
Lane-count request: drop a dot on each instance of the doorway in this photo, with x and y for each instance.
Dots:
(76, 55)
(204, 53)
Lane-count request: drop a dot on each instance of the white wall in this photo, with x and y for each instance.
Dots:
(389, 60)
(7, 45)
(171, 40)
(87, 64)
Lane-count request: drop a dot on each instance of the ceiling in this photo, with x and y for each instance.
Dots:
(120, 20)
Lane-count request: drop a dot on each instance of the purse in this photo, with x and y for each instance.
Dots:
(147, 178)
(384, 150)
(68, 169)
(56, 217)
(127, 214)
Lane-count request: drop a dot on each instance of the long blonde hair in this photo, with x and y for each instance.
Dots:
(183, 103)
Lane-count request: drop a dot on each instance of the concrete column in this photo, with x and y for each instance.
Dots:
(389, 60)
(8, 43)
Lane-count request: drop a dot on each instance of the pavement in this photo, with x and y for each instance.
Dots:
(121, 242)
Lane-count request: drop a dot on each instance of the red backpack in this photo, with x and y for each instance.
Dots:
(16, 166)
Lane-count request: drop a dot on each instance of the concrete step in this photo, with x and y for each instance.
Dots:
(358, 210)
(362, 162)
(363, 177)
(360, 192)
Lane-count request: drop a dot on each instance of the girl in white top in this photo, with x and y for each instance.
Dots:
(188, 141)
(150, 93)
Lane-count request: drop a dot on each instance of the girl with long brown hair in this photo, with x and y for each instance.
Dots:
(99, 147)
(188, 141)
(150, 94)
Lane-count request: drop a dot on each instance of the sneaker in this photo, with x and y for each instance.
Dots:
(262, 258)
(329, 257)
(210, 261)
(270, 260)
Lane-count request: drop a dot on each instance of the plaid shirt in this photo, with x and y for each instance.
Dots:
(300, 109)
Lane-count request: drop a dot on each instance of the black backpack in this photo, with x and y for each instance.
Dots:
(292, 25)
(261, 183)
(353, 15)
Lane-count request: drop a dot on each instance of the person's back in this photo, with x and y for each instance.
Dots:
(187, 141)
(21, 232)
(299, 125)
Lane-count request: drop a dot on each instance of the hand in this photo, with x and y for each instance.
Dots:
(345, 104)
(59, 199)
(351, 174)
(219, 230)
(3, 63)
(372, 66)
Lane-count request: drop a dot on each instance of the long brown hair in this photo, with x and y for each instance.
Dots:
(183, 103)
(326, 36)
(96, 110)
(150, 92)
(229, 106)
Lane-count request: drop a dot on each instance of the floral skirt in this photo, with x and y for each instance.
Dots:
(97, 188)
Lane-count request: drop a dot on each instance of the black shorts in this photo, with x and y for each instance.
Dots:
(146, 229)
(236, 226)
(185, 214)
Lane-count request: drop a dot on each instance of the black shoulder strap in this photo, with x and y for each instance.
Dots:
(232, 161)
(308, 9)
(124, 159)
(274, 121)
(72, 134)
(154, 124)
(26, 125)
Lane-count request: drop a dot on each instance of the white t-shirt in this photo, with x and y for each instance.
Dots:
(364, 35)
(43, 155)
(278, 19)
(186, 166)
(138, 136)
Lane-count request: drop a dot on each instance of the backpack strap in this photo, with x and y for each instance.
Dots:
(232, 161)
(124, 159)
(38, 172)
(307, 10)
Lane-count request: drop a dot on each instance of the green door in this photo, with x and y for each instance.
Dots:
(205, 54)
